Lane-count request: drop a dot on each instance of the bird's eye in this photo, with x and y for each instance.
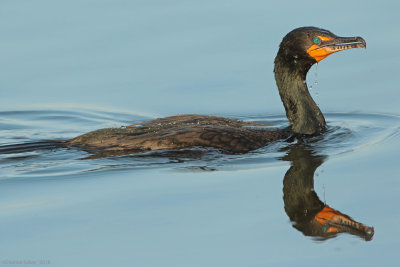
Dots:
(317, 40)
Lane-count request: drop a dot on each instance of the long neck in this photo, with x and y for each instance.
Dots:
(302, 112)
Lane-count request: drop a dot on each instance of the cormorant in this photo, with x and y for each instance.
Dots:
(298, 51)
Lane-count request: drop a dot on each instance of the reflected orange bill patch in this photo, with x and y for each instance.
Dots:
(328, 214)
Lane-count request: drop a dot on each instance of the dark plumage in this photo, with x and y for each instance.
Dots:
(298, 51)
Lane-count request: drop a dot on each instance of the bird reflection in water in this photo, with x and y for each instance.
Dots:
(306, 211)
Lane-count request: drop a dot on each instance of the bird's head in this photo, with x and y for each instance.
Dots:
(308, 45)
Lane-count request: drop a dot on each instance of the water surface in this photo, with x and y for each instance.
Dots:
(175, 204)
(74, 66)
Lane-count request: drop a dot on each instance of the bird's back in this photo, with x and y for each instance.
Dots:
(182, 131)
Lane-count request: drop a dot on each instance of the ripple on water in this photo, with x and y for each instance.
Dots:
(347, 132)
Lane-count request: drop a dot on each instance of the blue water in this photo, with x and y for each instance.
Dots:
(75, 66)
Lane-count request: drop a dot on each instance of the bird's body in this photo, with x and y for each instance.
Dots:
(298, 51)
(182, 131)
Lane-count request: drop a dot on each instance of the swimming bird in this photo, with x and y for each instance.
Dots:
(299, 50)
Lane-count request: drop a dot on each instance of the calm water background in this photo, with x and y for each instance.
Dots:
(68, 67)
